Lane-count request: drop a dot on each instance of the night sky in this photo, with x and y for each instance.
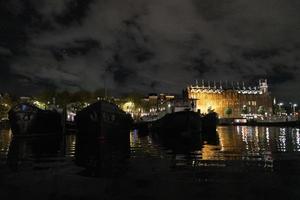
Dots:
(148, 45)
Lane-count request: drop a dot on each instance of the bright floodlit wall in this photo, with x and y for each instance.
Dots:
(256, 100)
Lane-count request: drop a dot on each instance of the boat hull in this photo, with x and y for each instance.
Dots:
(104, 121)
(28, 120)
(210, 122)
(102, 138)
(184, 124)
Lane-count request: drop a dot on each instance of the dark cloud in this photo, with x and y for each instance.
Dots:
(280, 74)
(150, 45)
(119, 72)
(5, 52)
(75, 11)
(260, 53)
(77, 48)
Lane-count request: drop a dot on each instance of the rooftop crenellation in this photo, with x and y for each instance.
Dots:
(221, 86)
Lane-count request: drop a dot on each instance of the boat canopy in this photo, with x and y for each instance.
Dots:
(25, 107)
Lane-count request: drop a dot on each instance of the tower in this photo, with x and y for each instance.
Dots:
(263, 85)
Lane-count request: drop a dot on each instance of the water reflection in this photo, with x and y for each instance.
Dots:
(70, 145)
(252, 145)
(141, 145)
(262, 145)
(180, 145)
(102, 158)
(5, 138)
(281, 144)
(259, 139)
(36, 150)
(296, 139)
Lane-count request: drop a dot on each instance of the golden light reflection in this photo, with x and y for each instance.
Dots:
(282, 139)
(142, 145)
(242, 140)
(268, 136)
(245, 137)
(298, 139)
(231, 144)
(70, 145)
(209, 152)
(256, 134)
(5, 139)
(256, 139)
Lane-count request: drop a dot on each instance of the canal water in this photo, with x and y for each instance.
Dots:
(232, 163)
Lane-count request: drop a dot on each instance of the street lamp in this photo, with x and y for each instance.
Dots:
(294, 107)
(280, 104)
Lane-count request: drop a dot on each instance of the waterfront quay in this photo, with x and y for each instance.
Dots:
(238, 162)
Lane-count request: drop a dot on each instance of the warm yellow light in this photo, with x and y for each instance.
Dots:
(206, 106)
(128, 106)
(39, 104)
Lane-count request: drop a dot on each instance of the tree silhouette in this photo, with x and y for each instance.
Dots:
(228, 111)
(244, 110)
(261, 110)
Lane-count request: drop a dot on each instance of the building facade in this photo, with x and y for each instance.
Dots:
(158, 102)
(233, 101)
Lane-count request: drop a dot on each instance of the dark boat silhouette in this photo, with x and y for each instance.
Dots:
(185, 130)
(104, 120)
(183, 123)
(210, 122)
(102, 138)
(28, 120)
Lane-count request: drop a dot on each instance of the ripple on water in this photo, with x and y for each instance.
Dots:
(255, 145)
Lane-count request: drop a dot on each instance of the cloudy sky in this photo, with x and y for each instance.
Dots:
(148, 45)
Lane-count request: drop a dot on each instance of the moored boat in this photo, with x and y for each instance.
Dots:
(183, 123)
(104, 120)
(28, 120)
(210, 122)
(186, 123)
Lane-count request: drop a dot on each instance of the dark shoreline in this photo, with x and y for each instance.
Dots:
(151, 178)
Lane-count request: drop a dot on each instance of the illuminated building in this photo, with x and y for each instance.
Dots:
(238, 98)
(157, 102)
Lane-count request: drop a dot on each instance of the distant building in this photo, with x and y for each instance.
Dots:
(157, 102)
(237, 98)
(25, 99)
